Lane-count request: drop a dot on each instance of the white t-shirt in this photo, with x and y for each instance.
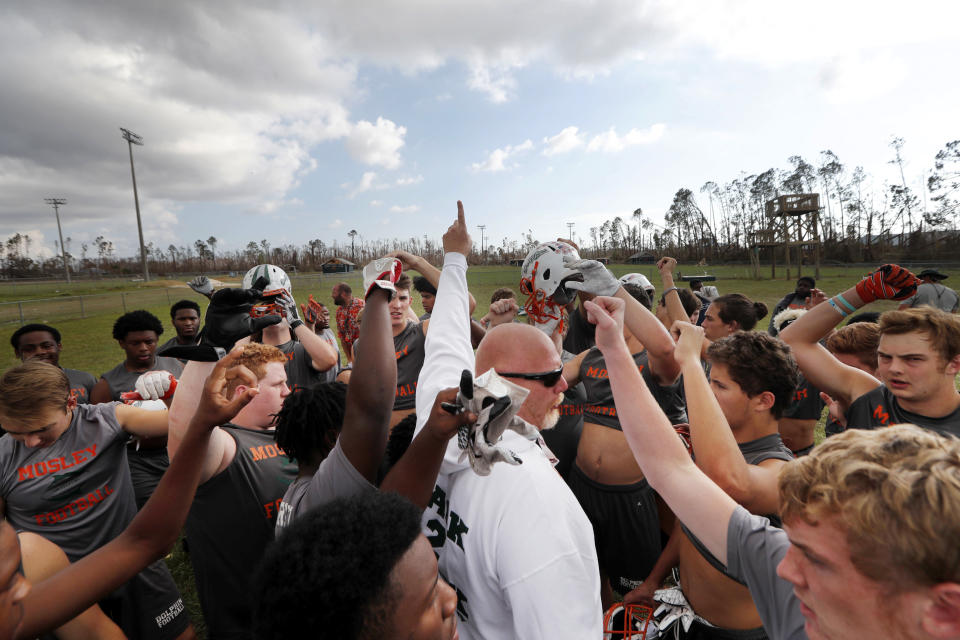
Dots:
(515, 545)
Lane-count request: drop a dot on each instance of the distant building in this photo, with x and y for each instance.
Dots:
(642, 257)
(337, 265)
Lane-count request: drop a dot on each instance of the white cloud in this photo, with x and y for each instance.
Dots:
(564, 142)
(493, 80)
(336, 224)
(405, 182)
(376, 203)
(376, 144)
(610, 142)
(408, 209)
(365, 184)
(498, 157)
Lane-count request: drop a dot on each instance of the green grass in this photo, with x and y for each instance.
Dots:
(87, 342)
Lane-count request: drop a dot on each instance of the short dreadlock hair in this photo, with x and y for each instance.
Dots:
(310, 421)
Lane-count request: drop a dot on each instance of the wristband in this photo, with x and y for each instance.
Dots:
(843, 314)
(666, 291)
(296, 323)
(845, 303)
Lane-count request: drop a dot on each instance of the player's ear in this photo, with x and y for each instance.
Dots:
(953, 365)
(941, 615)
(764, 401)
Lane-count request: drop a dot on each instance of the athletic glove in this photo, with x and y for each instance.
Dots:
(227, 320)
(889, 282)
(202, 285)
(597, 279)
(289, 306)
(382, 273)
(152, 385)
(311, 311)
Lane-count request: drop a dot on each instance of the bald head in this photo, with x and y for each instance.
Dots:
(516, 347)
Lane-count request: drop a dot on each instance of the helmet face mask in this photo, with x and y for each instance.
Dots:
(542, 278)
(276, 282)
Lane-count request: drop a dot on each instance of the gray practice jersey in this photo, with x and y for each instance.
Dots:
(754, 549)
(77, 492)
(122, 379)
(299, 367)
(879, 408)
(935, 295)
(330, 375)
(409, 345)
(81, 384)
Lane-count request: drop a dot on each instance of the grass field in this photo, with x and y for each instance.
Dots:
(87, 342)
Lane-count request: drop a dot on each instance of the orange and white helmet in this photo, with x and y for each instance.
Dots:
(542, 276)
(626, 622)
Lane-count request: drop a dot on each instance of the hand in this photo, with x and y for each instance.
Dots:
(382, 273)
(457, 238)
(286, 302)
(202, 285)
(502, 311)
(216, 409)
(889, 282)
(816, 297)
(643, 595)
(442, 424)
(597, 279)
(689, 339)
(666, 266)
(312, 312)
(834, 409)
(228, 317)
(607, 314)
(407, 260)
(153, 385)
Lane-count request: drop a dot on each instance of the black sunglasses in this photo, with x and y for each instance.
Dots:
(548, 378)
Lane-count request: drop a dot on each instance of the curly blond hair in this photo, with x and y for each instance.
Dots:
(895, 490)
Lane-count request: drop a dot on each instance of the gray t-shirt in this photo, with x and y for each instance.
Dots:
(81, 384)
(335, 478)
(409, 345)
(754, 549)
(299, 367)
(935, 295)
(330, 375)
(76, 492)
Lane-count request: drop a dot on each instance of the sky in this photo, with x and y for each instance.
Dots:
(290, 121)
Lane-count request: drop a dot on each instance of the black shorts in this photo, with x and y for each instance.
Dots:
(149, 606)
(626, 527)
(147, 466)
(700, 631)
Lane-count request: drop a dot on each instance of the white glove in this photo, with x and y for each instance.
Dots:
(382, 273)
(674, 608)
(202, 285)
(597, 279)
(156, 385)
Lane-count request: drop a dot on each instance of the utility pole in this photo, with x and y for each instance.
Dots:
(570, 231)
(134, 139)
(483, 252)
(56, 202)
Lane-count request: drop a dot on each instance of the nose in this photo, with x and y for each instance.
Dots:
(788, 569)
(561, 385)
(448, 599)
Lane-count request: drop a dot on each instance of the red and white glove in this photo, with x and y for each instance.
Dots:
(889, 282)
(382, 273)
(153, 385)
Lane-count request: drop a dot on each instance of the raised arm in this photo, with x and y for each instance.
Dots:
(671, 295)
(415, 473)
(370, 396)
(714, 447)
(819, 366)
(155, 528)
(428, 271)
(654, 336)
(696, 500)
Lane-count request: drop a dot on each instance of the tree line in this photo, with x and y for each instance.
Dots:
(862, 219)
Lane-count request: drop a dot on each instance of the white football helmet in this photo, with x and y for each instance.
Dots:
(276, 278)
(638, 279)
(542, 275)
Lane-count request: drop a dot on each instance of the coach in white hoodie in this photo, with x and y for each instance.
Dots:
(514, 544)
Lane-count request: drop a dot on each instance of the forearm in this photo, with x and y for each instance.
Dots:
(371, 392)
(185, 402)
(817, 322)
(448, 349)
(415, 474)
(477, 333)
(714, 447)
(671, 296)
(654, 336)
(322, 355)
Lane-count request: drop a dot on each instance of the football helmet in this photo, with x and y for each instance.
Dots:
(276, 280)
(542, 277)
(626, 622)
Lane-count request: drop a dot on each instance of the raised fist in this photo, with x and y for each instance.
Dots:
(889, 282)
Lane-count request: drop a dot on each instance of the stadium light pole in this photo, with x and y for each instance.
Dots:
(56, 202)
(483, 252)
(570, 231)
(134, 139)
